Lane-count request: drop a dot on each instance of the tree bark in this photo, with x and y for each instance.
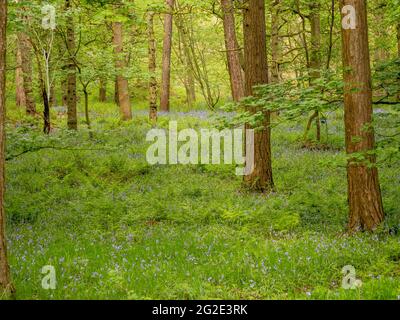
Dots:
(19, 81)
(315, 55)
(5, 278)
(364, 195)
(152, 68)
(25, 49)
(398, 40)
(256, 73)
(71, 77)
(189, 82)
(122, 82)
(103, 90)
(232, 50)
(166, 59)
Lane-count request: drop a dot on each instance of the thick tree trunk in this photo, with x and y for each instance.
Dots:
(19, 81)
(103, 90)
(275, 41)
(166, 59)
(232, 50)
(364, 196)
(122, 82)
(71, 78)
(256, 73)
(152, 68)
(5, 278)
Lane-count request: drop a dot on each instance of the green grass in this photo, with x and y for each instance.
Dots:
(116, 228)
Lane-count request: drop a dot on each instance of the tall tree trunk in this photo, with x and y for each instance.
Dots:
(315, 55)
(184, 58)
(5, 278)
(364, 195)
(256, 73)
(26, 56)
(25, 67)
(232, 50)
(103, 90)
(189, 81)
(71, 78)
(275, 41)
(152, 68)
(19, 80)
(43, 93)
(122, 82)
(166, 58)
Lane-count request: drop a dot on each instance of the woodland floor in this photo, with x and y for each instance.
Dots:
(116, 228)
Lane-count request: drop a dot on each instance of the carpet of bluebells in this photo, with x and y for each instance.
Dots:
(115, 227)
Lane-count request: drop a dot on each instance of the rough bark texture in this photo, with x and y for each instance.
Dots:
(120, 64)
(275, 41)
(71, 78)
(152, 68)
(5, 281)
(103, 91)
(364, 196)
(256, 72)
(166, 59)
(232, 50)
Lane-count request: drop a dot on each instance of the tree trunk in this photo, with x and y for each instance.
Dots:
(364, 195)
(315, 55)
(256, 73)
(103, 90)
(398, 40)
(120, 64)
(116, 95)
(71, 78)
(188, 78)
(25, 49)
(5, 278)
(43, 92)
(275, 41)
(86, 96)
(152, 68)
(166, 59)
(19, 80)
(232, 50)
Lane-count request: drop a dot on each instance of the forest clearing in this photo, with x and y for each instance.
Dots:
(213, 150)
